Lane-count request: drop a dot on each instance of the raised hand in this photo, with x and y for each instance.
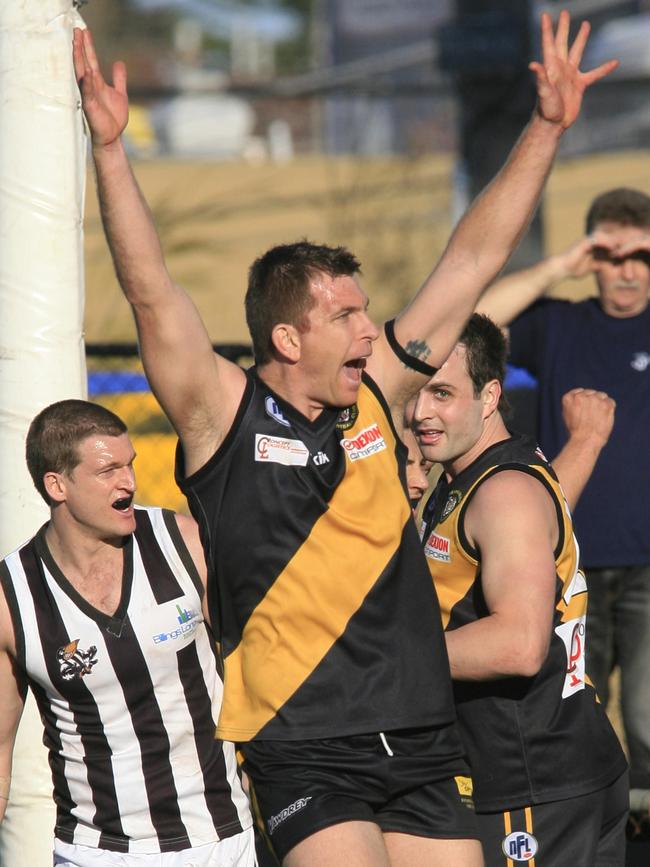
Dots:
(578, 259)
(106, 108)
(588, 414)
(560, 83)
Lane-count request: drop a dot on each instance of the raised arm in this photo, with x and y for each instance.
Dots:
(589, 418)
(509, 296)
(512, 521)
(493, 226)
(198, 390)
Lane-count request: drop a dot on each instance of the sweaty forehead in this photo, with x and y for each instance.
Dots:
(337, 292)
(103, 448)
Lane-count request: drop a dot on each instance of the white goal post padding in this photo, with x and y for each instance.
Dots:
(42, 177)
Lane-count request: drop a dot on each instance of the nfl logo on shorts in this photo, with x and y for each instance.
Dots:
(519, 846)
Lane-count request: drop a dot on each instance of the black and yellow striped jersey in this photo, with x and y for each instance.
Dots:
(534, 739)
(318, 591)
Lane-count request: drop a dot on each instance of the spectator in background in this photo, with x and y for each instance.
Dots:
(601, 343)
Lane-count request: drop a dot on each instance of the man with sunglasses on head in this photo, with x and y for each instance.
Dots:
(601, 343)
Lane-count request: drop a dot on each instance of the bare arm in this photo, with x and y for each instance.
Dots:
(12, 690)
(198, 390)
(512, 521)
(488, 233)
(189, 530)
(511, 295)
(589, 418)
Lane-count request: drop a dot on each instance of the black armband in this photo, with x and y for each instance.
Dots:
(407, 360)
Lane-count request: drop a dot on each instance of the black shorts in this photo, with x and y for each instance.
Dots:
(412, 781)
(588, 831)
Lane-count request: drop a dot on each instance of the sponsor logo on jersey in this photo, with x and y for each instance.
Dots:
(641, 361)
(321, 458)
(366, 443)
(437, 548)
(280, 450)
(519, 846)
(453, 500)
(75, 663)
(187, 618)
(275, 412)
(572, 634)
(285, 814)
(347, 417)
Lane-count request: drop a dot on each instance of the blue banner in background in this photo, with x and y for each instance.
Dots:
(131, 382)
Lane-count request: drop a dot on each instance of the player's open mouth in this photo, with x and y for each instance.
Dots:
(123, 504)
(428, 436)
(354, 367)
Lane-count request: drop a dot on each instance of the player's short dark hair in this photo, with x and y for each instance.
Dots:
(279, 288)
(622, 205)
(486, 351)
(55, 433)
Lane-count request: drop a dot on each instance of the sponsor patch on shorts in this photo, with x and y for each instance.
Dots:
(280, 450)
(519, 846)
(437, 548)
(285, 814)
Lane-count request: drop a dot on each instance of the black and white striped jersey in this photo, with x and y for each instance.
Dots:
(129, 701)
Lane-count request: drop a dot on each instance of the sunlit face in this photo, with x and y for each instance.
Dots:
(337, 342)
(623, 283)
(98, 493)
(417, 469)
(449, 419)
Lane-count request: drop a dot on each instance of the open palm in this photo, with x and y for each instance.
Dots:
(560, 83)
(106, 107)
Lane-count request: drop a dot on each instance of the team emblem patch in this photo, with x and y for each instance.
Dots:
(453, 500)
(273, 410)
(347, 417)
(520, 846)
(75, 663)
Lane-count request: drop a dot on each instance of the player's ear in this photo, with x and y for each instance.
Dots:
(286, 341)
(54, 484)
(491, 395)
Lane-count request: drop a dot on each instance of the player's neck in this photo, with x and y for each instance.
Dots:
(288, 383)
(93, 566)
(494, 431)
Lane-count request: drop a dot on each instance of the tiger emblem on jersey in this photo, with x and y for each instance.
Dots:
(75, 663)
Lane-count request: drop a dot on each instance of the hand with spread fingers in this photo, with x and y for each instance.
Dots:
(106, 107)
(560, 83)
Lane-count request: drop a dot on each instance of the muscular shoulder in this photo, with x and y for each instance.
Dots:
(508, 502)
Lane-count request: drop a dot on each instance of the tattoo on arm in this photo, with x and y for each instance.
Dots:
(417, 349)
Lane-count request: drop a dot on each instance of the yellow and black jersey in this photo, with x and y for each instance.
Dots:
(319, 594)
(529, 740)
